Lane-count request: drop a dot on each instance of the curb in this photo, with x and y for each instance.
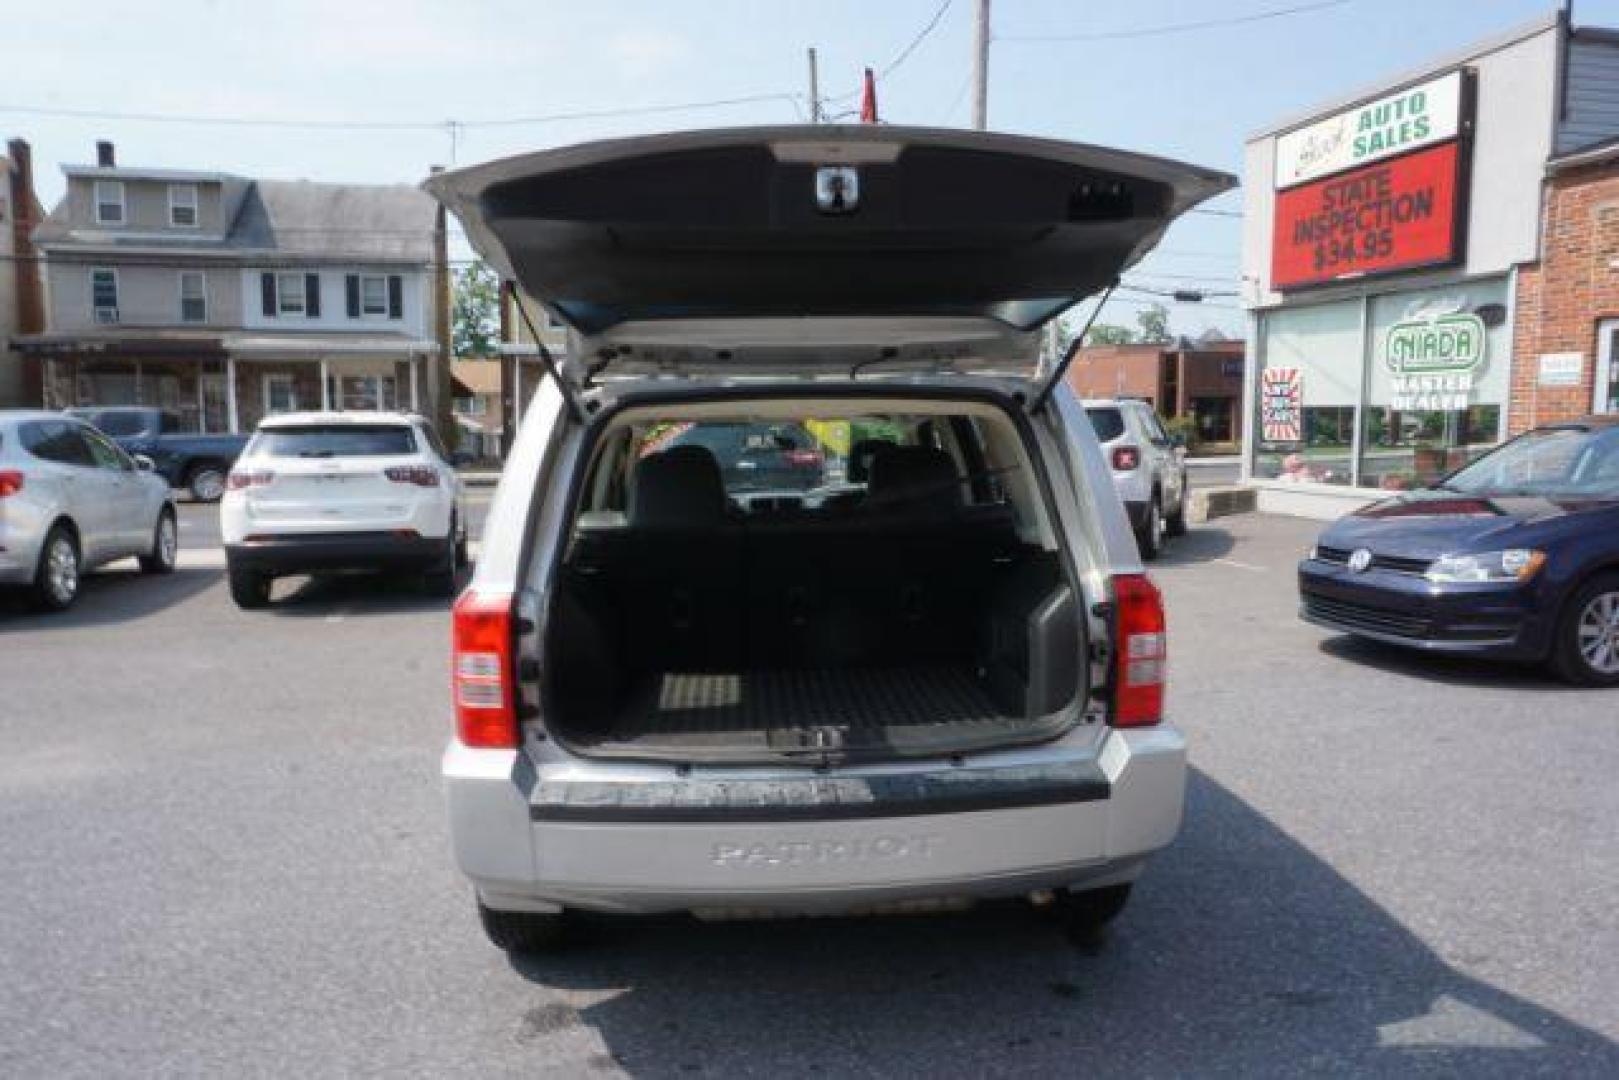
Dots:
(1206, 504)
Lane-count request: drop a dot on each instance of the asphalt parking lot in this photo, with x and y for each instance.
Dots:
(223, 851)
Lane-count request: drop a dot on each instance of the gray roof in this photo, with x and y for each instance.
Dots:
(289, 220)
(390, 222)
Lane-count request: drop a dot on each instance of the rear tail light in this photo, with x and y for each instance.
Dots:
(246, 478)
(804, 457)
(420, 475)
(1126, 458)
(1138, 681)
(483, 672)
(11, 482)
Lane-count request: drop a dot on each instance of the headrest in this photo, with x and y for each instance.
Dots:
(860, 455)
(914, 478)
(678, 488)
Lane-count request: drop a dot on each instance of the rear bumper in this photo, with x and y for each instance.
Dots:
(584, 836)
(307, 553)
(1405, 609)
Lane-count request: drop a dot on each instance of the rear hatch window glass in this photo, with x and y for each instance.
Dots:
(1108, 422)
(335, 440)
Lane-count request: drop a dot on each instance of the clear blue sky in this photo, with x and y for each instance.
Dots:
(1193, 94)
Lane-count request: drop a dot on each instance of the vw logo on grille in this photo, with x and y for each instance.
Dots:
(1360, 560)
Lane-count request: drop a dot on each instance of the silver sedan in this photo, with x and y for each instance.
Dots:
(70, 501)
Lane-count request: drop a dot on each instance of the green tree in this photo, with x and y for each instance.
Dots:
(1108, 334)
(475, 311)
(1154, 322)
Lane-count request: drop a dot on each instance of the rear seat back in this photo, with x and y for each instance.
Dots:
(673, 572)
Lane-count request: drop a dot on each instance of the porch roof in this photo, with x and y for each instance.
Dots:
(125, 342)
(313, 346)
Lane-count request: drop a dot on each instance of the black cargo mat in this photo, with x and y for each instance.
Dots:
(848, 708)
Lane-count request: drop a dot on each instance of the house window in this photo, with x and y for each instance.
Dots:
(373, 294)
(109, 202)
(290, 294)
(183, 205)
(193, 296)
(280, 394)
(365, 393)
(104, 295)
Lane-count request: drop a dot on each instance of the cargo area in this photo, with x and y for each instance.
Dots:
(748, 588)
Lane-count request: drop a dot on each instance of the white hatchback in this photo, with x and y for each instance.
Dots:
(317, 492)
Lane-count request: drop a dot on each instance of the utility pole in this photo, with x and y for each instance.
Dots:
(814, 88)
(981, 68)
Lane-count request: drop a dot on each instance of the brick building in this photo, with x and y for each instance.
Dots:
(1566, 348)
(1201, 380)
(1427, 263)
(22, 298)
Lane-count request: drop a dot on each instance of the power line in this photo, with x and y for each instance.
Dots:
(1170, 28)
(904, 54)
(67, 113)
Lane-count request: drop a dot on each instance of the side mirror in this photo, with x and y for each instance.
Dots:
(144, 463)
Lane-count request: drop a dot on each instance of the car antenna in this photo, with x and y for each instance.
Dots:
(575, 406)
(1072, 351)
(888, 352)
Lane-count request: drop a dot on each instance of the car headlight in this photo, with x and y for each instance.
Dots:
(1513, 564)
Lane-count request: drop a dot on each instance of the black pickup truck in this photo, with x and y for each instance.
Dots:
(197, 462)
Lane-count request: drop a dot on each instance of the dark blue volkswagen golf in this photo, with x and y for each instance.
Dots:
(1515, 556)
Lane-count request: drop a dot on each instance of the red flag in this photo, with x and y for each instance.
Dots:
(868, 100)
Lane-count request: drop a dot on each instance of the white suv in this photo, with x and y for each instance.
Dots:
(1149, 469)
(323, 491)
(931, 672)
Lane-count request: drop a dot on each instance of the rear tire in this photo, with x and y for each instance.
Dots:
(1086, 915)
(56, 578)
(206, 482)
(1151, 538)
(441, 581)
(1585, 650)
(1175, 521)
(165, 545)
(524, 932)
(250, 589)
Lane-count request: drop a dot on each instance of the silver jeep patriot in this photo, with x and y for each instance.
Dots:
(806, 588)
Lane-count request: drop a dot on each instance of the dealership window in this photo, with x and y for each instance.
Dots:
(109, 195)
(1437, 382)
(1308, 388)
(193, 296)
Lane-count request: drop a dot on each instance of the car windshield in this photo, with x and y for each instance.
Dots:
(1108, 422)
(334, 440)
(1572, 462)
(760, 456)
(122, 425)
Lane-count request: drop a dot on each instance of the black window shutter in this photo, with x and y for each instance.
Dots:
(396, 296)
(267, 290)
(312, 295)
(351, 291)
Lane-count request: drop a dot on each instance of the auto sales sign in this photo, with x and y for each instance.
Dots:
(1374, 190)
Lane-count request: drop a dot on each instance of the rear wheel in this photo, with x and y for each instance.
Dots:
(441, 580)
(524, 931)
(1087, 914)
(56, 579)
(250, 589)
(1586, 651)
(1175, 520)
(165, 545)
(206, 482)
(1151, 538)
